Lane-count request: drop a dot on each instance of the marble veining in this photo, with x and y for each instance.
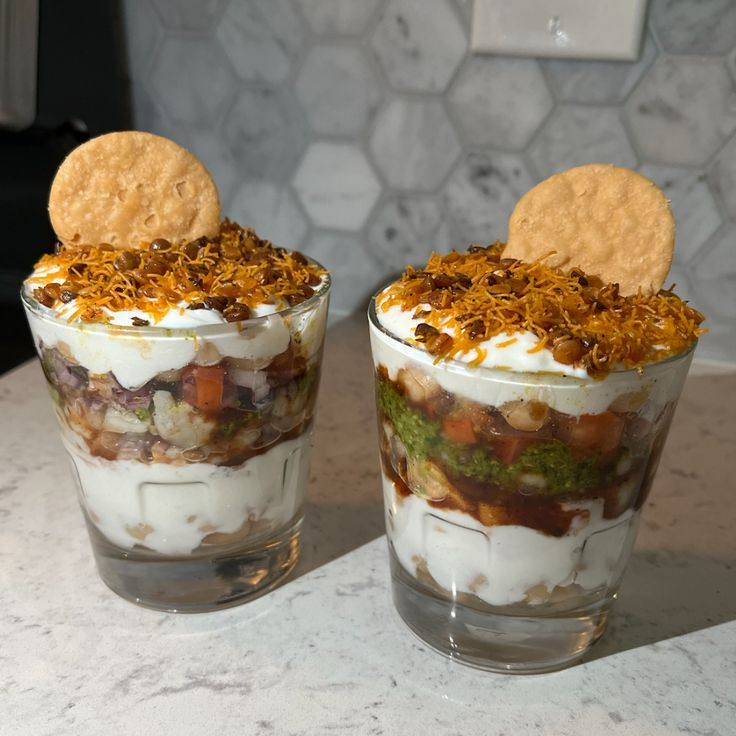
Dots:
(684, 27)
(192, 61)
(189, 15)
(342, 17)
(414, 144)
(583, 134)
(720, 259)
(265, 131)
(407, 229)
(326, 652)
(482, 192)
(666, 110)
(338, 89)
(347, 256)
(723, 177)
(693, 206)
(603, 82)
(344, 199)
(261, 38)
(271, 209)
(419, 45)
(249, 85)
(500, 102)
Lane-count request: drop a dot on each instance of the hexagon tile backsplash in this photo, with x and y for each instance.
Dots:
(364, 132)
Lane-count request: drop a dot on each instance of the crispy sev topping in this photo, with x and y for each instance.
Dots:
(232, 273)
(479, 294)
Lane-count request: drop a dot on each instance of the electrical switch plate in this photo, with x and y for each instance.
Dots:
(571, 29)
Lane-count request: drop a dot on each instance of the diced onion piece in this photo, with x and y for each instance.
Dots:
(179, 423)
(119, 420)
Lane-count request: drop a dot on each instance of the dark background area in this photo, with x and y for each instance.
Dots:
(82, 91)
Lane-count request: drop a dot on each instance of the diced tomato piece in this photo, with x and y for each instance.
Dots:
(509, 448)
(202, 387)
(459, 430)
(593, 434)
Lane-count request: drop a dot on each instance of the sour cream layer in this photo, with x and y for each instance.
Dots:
(136, 355)
(171, 509)
(510, 372)
(507, 564)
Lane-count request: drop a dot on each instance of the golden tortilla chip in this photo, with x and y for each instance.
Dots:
(129, 188)
(608, 221)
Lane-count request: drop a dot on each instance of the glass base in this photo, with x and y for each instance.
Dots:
(197, 584)
(483, 637)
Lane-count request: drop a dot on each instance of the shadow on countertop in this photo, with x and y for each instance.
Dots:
(344, 507)
(682, 575)
(667, 593)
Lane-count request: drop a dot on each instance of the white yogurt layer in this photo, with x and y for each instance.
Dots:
(182, 504)
(135, 358)
(513, 374)
(513, 357)
(500, 564)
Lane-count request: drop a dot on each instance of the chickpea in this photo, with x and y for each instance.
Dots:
(526, 416)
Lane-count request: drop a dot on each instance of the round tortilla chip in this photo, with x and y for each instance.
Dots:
(129, 188)
(608, 221)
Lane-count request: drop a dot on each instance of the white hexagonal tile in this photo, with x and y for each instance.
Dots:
(687, 27)
(148, 115)
(576, 135)
(696, 214)
(261, 37)
(356, 276)
(338, 90)
(191, 80)
(682, 279)
(214, 153)
(723, 177)
(414, 144)
(419, 44)
(487, 105)
(341, 17)
(598, 81)
(700, 293)
(406, 229)
(466, 10)
(266, 132)
(142, 35)
(271, 211)
(714, 277)
(188, 15)
(336, 185)
(682, 110)
(718, 343)
(482, 192)
(731, 63)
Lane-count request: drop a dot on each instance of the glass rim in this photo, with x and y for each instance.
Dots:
(156, 331)
(511, 375)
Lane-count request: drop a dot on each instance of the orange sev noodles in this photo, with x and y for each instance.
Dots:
(236, 266)
(478, 295)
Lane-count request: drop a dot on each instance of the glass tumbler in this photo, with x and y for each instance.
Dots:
(512, 499)
(190, 447)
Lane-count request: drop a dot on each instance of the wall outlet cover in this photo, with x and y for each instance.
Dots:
(571, 29)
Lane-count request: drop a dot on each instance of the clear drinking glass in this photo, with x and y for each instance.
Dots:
(190, 447)
(512, 499)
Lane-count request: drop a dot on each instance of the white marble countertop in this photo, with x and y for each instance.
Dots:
(326, 652)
